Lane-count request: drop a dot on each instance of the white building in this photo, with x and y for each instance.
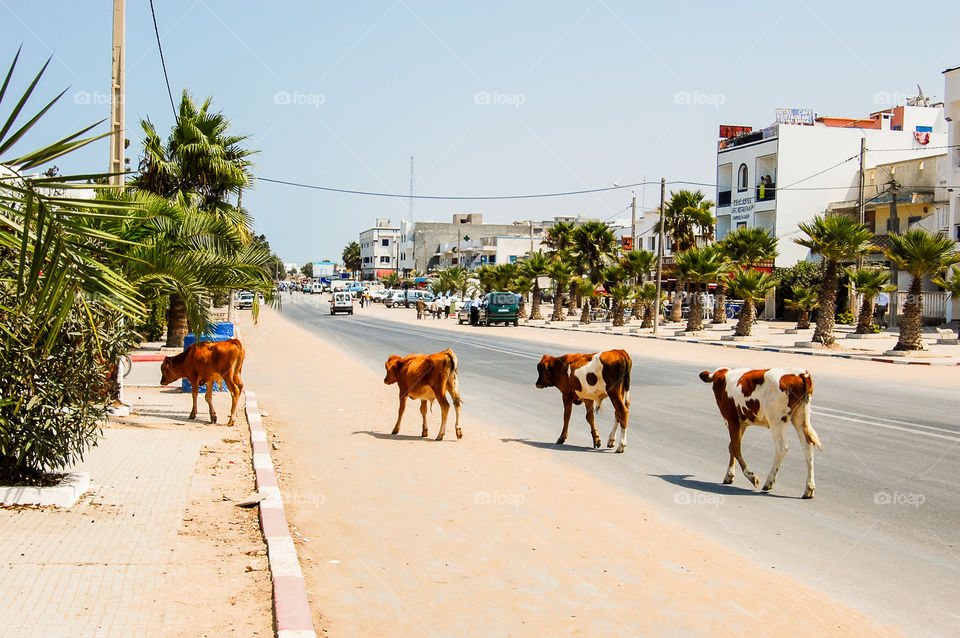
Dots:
(379, 250)
(950, 179)
(812, 164)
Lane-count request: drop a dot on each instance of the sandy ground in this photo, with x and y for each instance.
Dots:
(218, 561)
(406, 536)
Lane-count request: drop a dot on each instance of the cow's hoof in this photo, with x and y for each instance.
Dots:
(621, 449)
(611, 443)
(767, 487)
(192, 417)
(424, 434)
(561, 441)
(439, 437)
(808, 493)
(727, 480)
(459, 433)
(396, 431)
(755, 480)
(596, 444)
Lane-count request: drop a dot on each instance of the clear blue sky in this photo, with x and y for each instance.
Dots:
(582, 93)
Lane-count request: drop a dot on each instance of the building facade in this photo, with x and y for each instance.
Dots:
(784, 175)
(379, 250)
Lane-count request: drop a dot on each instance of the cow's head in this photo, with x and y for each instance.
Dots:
(167, 375)
(393, 366)
(546, 371)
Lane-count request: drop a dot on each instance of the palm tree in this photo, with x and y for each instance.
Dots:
(751, 286)
(522, 286)
(390, 280)
(588, 292)
(805, 300)
(647, 294)
(638, 263)
(487, 276)
(952, 285)
(351, 256)
(836, 239)
(533, 267)
(594, 248)
(560, 273)
(505, 275)
(869, 282)
(559, 237)
(746, 248)
(922, 255)
(699, 266)
(685, 214)
(615, 276)
(620, 293)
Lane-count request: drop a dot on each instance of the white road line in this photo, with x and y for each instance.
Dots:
(883, 418)
(455, 339)
(888, 426)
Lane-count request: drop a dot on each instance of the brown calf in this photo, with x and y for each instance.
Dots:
(768, 398)
(426, 377)
(589, 379)
(206, 362)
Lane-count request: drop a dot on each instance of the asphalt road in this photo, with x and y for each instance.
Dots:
(881, 534)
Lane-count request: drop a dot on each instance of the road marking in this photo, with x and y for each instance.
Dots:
(890, 427)
(888, 420)
(467, 342)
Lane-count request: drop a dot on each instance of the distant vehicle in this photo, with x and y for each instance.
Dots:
(498, 307)
(394, 298)
(307, 287)
(244, 301)
(342, 301)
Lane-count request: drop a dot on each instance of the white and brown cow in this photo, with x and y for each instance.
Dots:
(770, 398)
(589, 379)
(426, 377)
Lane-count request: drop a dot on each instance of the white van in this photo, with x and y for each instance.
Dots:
(341, 301)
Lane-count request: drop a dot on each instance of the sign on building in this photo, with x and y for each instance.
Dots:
(728, 131)
(323, 269)
(795, 116)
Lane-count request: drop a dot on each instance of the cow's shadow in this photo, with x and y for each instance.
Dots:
(546, 445)
(397, 437)
(684, 481)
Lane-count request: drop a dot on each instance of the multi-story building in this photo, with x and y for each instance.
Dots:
(787, 173)
(379, 248)
(951, 107)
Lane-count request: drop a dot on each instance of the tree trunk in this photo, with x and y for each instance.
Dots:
(865, 322)
(176, 322)
(828, 306)
(911, 325)
(720, 307)
(557, 303)
(637, 311)
(535, 309)
(585, 315)
(695, 319)
(522, 310)
(617, 312)
(572, 299)
(676, 311)
(647, 316)
(803, 321)
(745, 323)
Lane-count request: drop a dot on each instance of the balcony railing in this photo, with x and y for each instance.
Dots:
(766, 194)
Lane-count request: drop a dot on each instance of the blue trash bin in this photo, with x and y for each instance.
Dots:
(221, 332)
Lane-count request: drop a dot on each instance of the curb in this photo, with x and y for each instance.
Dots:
(291, 609)
(740, 346)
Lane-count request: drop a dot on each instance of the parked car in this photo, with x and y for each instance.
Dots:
(407, 297)
(244, 301)
(499, 307)
(341, 301)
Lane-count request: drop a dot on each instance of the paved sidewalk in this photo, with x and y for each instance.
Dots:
(124, 561)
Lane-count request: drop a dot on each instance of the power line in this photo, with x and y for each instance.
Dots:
(162, 61)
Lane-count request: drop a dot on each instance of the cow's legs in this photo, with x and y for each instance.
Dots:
(455, 395)
(403, 405)
(780, 451)
(807, 448)
(621, 412)
(591, 419)
(736, 436)
(236, 388)
(423, 415)
(209, 397)
(444, 410)
(567, 409)
(194, 389)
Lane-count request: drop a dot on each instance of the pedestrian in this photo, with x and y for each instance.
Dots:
(361, 299)
(882, 302)
(420, 307)
(433, 309)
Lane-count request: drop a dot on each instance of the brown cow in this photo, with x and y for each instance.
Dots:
(769, 398)
(206, 362)
(426, 377)
(589, 379)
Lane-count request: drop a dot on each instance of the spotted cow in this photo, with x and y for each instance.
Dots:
(770, 398)
(589, 379)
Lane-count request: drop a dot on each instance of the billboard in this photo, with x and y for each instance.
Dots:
(728, 131)
(795, 116)
(323, 269)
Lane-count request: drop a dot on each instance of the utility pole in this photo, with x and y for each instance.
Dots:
(117, 69)
(633, 223)
(656, 311)
(854, 307)
(894, 275)
(411, 189)
(531, 236)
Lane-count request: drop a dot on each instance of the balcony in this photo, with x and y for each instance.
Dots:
(768, 193)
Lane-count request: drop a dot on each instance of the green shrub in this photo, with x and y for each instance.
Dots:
(845, 317)
(52, 406)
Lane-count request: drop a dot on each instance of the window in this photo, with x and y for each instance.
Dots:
(742, 178)
(653, 243)
(741, 225)
(384, 259)
(384, 242)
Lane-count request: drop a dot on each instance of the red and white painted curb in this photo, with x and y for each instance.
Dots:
(291, 610)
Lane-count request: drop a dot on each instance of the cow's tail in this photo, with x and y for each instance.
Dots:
(626, 380)
(802, 410)
(453, 384)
